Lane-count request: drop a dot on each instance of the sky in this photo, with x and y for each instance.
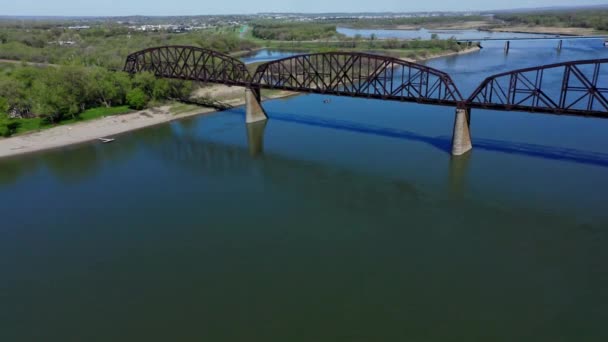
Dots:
(201, 7)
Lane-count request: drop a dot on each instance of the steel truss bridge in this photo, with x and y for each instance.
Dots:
(572, 88)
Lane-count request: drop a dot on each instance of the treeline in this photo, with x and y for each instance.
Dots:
(412, 21)
(393, 47)
(293, 31)
(596, 19)
(392, 44)
(55, 94)
(105, 46)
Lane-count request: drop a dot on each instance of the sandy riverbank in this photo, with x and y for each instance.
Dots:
(109, 126)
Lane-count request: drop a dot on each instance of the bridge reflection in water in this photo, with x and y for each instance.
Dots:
(570, 88)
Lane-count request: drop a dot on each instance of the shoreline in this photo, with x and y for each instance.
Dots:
(89, 131)
(442, 54)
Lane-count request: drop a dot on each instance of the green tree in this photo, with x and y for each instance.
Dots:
(145, 81)
(14, 95)
(109, 88)
(61, 92)
(137, 99)
(180, 89)
(162, 89)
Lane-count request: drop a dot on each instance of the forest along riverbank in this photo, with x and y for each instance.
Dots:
(86, 131)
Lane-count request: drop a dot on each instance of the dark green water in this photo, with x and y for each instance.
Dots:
(351, 223)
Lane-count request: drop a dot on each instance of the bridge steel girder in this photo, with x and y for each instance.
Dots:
(568, 88)
(358, 75)
(189, 63)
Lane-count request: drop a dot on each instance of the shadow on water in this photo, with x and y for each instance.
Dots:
(202, 156)
(444, 143)
(350, 188)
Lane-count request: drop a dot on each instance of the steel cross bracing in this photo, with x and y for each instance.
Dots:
(189, 63)
(358, 75)
(578, 88)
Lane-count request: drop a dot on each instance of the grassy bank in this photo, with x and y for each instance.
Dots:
(19, 126)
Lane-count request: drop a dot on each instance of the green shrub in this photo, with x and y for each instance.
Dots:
(3, 105)
(137, 99)
(10, 128)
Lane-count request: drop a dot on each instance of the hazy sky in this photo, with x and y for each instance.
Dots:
(194, 7)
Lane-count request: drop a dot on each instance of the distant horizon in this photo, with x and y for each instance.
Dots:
(446, 8)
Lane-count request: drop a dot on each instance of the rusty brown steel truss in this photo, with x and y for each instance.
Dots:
(334, 73)
(189, 63)
(576, 88)
(562, 88)
(358, 75)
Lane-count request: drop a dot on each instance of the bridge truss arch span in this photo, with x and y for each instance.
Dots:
(358, 75)
(574, 88)
(189, 63)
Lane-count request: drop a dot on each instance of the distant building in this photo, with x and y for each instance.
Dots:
(78, 28)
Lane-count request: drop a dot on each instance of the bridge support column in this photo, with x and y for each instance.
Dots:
(254, 110)
(559, 45)
(507, 46)
(461, 138)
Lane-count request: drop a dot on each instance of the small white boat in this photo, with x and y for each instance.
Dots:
(606, 43)
(106, 140)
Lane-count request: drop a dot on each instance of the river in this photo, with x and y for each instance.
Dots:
(348, 221)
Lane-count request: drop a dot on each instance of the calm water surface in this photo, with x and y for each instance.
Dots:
(266, 55)
(347, 221)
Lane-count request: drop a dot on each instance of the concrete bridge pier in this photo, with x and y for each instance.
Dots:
(507, 46)
(559, 45)
(461, 138)
(254, 110)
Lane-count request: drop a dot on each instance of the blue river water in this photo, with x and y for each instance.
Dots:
(266, 56)
(340, 221)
